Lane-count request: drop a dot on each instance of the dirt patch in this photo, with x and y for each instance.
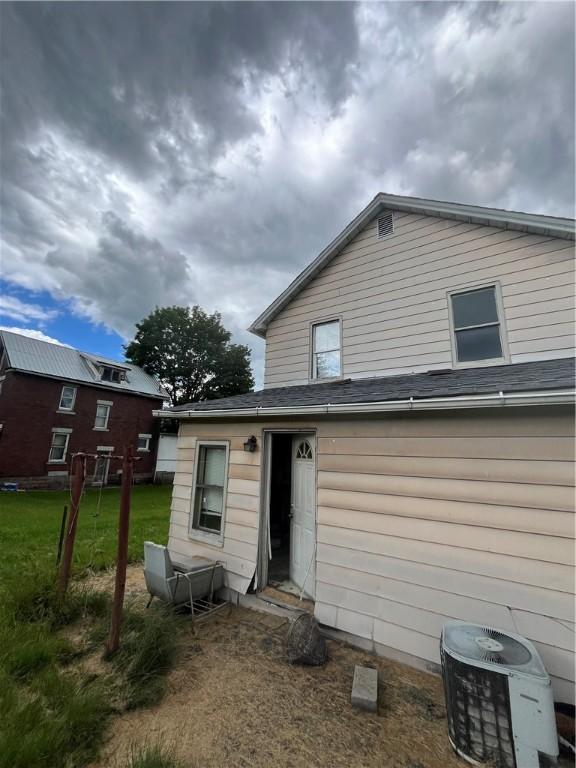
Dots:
(135, 590)
(234, 702)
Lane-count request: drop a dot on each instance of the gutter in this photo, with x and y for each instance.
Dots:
(560, 397)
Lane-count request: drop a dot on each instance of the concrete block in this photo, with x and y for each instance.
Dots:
(365, 688)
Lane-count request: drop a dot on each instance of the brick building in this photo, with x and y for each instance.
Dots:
(56, 401)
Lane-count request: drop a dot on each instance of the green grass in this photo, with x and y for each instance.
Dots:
(30, 526)
(52, 713)
(154, 756)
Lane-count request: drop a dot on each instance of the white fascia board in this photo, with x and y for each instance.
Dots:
(562, 397)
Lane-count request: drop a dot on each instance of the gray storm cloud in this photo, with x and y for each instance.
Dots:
(158, 153)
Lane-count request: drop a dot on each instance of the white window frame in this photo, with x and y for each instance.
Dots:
(62, 408)
(210, 537)
(505, 358)
(59, 431)
(312, 362)
(147, 438)
(103, 403)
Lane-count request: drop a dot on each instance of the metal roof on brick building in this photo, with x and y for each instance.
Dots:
(43, 358)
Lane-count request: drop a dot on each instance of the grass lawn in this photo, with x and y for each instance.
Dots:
(54, 711)
(30, 526)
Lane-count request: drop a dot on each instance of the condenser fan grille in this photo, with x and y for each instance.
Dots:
(479, 721)
(486, 644)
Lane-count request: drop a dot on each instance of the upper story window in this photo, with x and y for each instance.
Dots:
(108, 373)
(102, 414)
(209, 487)
(67, 398)
(326, 350)
(477, 325)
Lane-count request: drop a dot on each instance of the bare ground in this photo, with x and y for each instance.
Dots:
(233, 701)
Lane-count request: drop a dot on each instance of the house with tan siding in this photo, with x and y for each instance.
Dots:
(410, 459)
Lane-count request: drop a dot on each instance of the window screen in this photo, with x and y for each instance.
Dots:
(326, 350)
(209, 488)
(476, 325)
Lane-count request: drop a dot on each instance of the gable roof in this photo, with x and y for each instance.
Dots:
(539, 381)
(67, 364)
(552, 226)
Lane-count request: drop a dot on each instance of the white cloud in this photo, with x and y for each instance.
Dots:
(33, 334)
(156, 176)
(14, 308)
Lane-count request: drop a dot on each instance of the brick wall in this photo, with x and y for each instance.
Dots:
(29, 413)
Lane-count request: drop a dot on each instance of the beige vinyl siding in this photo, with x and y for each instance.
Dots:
(424, 518)
(241, 516)
(240, 539)
(421, 517)
(391, 295)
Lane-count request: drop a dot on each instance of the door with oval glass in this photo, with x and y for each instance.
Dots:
(303, 515)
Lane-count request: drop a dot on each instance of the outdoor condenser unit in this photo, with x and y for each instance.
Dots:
(498, 698)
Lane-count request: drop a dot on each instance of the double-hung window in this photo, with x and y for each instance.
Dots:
(59, 446)
(67, 398)
(477, 325)
(210, 487)
(102, 414)
(326, 350)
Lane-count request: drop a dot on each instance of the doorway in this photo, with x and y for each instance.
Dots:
(290, 519)
(101, 467)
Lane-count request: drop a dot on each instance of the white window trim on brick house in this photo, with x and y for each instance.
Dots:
(108, 405)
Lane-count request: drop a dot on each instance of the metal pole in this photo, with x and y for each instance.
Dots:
(62, 529)
(78, 475)
(122, 557)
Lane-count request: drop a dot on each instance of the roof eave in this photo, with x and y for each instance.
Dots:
(97, 384)
(496, 399)
(524, 222)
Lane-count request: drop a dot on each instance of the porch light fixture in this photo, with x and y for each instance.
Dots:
(250, 444)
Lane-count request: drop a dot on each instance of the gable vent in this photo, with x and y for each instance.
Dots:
(385, 224)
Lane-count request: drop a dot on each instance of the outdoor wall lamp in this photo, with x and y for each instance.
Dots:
(250, 444)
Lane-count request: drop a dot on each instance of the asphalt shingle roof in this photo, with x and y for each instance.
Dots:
(522, 377)
(44, 359)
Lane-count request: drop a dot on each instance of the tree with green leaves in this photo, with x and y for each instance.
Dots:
(190, 352)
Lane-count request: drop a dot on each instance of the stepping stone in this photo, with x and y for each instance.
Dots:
(365, 688)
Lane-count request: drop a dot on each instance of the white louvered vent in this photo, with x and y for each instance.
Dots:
(385, 224)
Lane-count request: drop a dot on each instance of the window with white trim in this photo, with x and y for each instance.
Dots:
(114, 375)
(144, 442)
(67, 398)
(59, 447)
(102, 415)
(210, 487)
(476, 325)
(326, 350)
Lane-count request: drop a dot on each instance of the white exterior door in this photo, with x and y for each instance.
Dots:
(303, 512)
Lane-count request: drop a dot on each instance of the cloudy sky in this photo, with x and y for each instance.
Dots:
(182, 153)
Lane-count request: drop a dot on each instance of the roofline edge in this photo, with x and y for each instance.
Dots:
(533, 223)
(536, 397)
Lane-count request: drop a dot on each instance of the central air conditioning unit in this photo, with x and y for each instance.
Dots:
(498, 698)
